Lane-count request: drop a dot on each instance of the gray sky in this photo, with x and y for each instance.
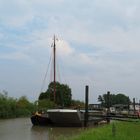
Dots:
(98, 45)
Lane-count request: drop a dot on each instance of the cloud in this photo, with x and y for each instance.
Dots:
(18, 14)
(64, 48)
(14, 56)
(15, 13)
(118, 40)
(98, 40)
(84, 58)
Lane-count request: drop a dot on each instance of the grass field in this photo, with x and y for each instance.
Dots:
(113, 131)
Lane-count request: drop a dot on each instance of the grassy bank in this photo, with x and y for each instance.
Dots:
(113, 131)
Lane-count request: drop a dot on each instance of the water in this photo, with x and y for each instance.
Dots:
(22, 129)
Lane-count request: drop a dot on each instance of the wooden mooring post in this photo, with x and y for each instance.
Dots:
(128, 105)
(108, 107)
(134, 105)
(86, 106)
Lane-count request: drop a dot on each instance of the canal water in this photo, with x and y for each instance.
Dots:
(22, 129)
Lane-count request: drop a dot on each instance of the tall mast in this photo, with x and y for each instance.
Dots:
(54, 51)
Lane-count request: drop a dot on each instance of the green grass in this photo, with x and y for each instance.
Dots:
(123, 131)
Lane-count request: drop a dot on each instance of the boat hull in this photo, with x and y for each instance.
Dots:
(70, 118)
(59, 117)
(40, 120)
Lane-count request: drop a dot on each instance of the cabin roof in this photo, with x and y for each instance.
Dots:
(61, 110)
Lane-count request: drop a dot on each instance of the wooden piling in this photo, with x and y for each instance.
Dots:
(128, 105)
(139, 105)
(108, 101)
(86, 106)
(108, 107)
(134, 105)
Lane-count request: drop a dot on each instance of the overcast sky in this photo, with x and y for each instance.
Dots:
(99, 46)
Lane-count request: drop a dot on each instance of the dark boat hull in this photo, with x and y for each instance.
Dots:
(66, 119)
(59, 117)
(40, 120)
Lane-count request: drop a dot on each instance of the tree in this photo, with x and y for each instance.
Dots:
(77, 104)
(24, 107)
(10, 107)
(114, 99)
(45, 104)
(23, 102)
(63, 94)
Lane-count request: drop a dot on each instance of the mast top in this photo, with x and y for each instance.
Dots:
(54, 41)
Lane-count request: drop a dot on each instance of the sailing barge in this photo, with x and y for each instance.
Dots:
(58, 117)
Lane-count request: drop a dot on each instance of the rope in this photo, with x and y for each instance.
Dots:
(58, 71)
(51, 72)
(44, 79)
(61, 72)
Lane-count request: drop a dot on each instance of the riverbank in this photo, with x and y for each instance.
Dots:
(113, 131)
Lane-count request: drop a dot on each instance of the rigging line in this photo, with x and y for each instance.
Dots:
(43, 83)
(61, 70)
(51, 73)
(58, 71)
(52, 66)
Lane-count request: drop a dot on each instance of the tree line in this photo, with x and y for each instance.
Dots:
(61, 99)
(64, 98)
(112, 99)
(12, 108)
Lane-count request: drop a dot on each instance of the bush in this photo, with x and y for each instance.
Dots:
(10, 107)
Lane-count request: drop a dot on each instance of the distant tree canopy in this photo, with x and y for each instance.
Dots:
(114, 99)
(63, 94)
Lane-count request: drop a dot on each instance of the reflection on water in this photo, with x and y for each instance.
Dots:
(39, 133)
(22, 129)
(52, 133)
